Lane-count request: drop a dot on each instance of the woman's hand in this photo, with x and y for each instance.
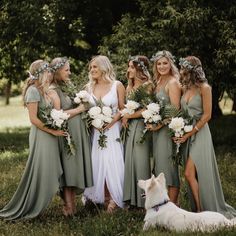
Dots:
(108, 126)
(181, 139)
(124, 122)
(152, 127)
(58, 132)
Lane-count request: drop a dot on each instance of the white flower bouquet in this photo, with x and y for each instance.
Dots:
(130, 107)
(178, 127)
(100, 116)
(151, 116)
(57, 119)
(82, 97)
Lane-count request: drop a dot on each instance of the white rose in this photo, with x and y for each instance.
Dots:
(126, 111)
(58, 122)
(94, 111)
(97, 123)
(77, 100)
(84, 95)
(55, 114)
(188, 128)
(132, 105)
(147, 114)
(155, 107)
(156, 118)
(177, 124)
(107, 111)
(108, 119)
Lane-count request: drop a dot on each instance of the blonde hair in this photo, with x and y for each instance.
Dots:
(173, 68)
(106, 68)
(41, 79)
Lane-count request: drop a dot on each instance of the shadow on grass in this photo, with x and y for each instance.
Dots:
(14, 139)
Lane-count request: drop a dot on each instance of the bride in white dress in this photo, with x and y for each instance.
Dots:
(108, 162)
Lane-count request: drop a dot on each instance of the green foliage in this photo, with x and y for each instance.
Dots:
(204, 29)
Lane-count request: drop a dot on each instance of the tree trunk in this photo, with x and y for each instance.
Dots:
(234, 102)
(8, 92)
(216, 95)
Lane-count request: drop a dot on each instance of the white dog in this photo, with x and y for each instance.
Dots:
(160, 211)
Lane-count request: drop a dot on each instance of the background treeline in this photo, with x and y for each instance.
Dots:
(35, 29)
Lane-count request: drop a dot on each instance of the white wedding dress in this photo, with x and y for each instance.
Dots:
(107, 163)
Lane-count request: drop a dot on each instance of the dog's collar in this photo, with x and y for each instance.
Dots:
(156, 207)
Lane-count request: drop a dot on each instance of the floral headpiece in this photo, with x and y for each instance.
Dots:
(139, 63)
(59, 64)
(36, 74)
(187, 65)
(161, 54)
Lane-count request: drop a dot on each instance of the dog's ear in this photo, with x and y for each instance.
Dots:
(152, 183)
(142, 184)
(161, 178)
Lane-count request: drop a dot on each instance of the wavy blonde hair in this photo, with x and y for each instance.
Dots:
(106, 68)
(42, 78)
(173, 68)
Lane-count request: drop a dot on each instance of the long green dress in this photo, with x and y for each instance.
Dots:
(162, 150)
(41, 177)
(137, 163)
(200, 149)
(77, 169)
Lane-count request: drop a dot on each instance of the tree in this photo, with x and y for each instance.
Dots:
(200, 28)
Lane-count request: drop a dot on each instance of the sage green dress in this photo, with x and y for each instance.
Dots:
(137, 163)
(200, 149)
(41, 177)
(162, 150)
(77, 169)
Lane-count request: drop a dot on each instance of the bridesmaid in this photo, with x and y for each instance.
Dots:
(167, 89)
(137, 155)
(41, 177)
(77, 169)
(201, 169)
(108, 162)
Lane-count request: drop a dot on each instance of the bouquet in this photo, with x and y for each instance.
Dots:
(100, 116)
(151, 116)
(82, 97)
(130, 108)
(178, 127)
(57, 119)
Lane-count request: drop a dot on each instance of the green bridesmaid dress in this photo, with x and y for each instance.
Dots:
(162, 150)
(41, 177)
(137, 163)
(77, 169)
(200, 149)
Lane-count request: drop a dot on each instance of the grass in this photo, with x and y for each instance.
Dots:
(91, 220)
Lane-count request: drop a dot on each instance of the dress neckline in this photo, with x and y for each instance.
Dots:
(105, 94)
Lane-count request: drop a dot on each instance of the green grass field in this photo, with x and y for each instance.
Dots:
(93, 220)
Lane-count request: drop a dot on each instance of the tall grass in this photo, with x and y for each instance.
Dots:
(91, 220)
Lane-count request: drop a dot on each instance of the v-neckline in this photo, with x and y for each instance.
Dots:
(190, 99)
(103, 95)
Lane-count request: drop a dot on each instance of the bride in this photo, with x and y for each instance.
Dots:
(107, 162)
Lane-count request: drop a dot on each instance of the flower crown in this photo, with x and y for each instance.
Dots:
(36, 74)
(187, 65)
(139, 63)
(161, 54)
(59, 64)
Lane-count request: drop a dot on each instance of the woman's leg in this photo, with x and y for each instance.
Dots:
(68, 207)
(173, 193)
(190, 175)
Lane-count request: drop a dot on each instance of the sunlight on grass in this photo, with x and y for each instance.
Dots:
(13, 115)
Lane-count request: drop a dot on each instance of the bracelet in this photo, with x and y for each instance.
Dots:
(196, 128)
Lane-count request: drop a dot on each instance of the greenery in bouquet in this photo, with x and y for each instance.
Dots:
(57, 119)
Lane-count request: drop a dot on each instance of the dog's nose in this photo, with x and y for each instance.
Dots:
(143, 195)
